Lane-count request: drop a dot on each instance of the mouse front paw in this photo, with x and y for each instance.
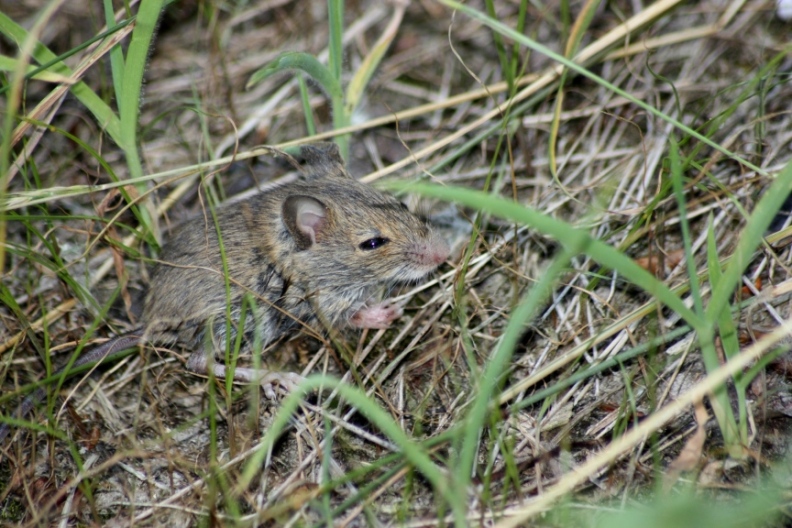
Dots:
(378, 316)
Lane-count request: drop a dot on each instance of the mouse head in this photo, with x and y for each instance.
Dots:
(350, 234)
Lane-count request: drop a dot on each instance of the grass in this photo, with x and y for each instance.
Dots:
(603, 349)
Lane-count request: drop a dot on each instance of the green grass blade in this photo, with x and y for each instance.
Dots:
(131, 89)
(731, 348)
(335, 18)
(566, 234)
(500, 47)
(679, 193)
(732, 438)
(32, 72)
(726, 326)
(116, 54)
(297, 60)
(335, 60)
(305, 98)
(357, 85)
(498, 364)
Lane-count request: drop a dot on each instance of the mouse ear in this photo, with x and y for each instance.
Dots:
(305, 218)
(319, 160)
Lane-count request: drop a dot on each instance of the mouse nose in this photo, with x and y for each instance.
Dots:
(437, 251)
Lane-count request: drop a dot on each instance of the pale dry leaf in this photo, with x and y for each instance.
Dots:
(690, 456)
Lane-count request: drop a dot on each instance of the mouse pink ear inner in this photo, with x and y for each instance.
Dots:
(305, 218)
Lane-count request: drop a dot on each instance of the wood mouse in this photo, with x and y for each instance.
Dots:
(312, 252)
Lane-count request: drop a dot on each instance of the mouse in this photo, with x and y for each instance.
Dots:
(310, 253)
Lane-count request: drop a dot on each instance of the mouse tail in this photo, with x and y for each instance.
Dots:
(94, 356)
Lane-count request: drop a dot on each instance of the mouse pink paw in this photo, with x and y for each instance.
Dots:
(287, 381)
(378, 316)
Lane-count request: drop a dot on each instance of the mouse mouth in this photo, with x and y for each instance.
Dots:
(408, 273)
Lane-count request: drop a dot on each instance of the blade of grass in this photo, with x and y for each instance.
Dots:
(335, 60)
(357, 85)
(131, 92)
(500, 48)
(497, 364)
(310, 65)
(116, 54)
(10, 64)
(731, 347)
(720, 405)
(573, 43)
(305, 98)
(335, 18)
(566, 234)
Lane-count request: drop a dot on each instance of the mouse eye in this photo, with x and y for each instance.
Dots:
(373, 243)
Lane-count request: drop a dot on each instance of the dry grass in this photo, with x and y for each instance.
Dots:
(156, 447)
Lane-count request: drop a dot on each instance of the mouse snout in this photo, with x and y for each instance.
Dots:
(435, 252)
